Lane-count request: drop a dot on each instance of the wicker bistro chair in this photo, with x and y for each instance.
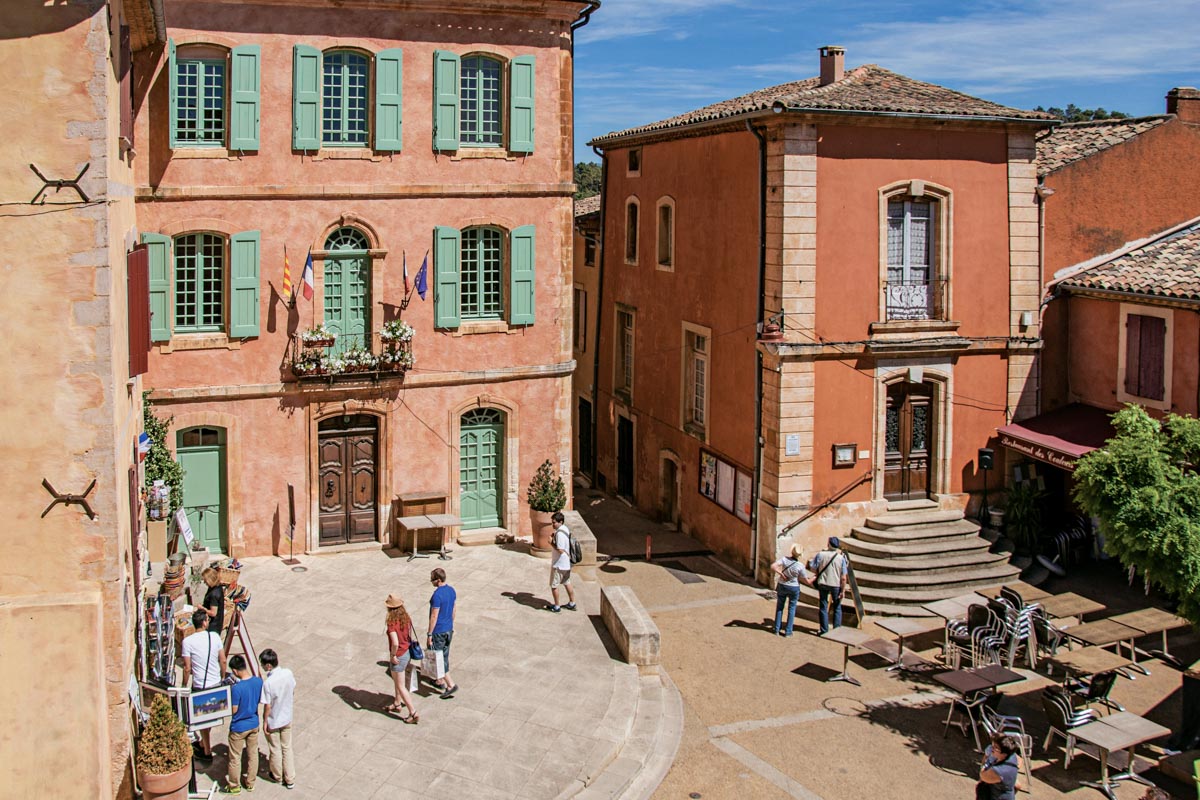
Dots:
(994, 723)
(1063, 719)
(1095, 690)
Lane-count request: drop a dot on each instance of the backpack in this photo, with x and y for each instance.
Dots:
(574, 549)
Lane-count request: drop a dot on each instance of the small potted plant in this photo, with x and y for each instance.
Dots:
(311, 362)
(396, 332)
(319, 336)
(356, 359)
(547, 493)
(164, 755)
(396, 360)
(1023, 516)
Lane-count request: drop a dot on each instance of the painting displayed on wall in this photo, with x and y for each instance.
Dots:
(726, 478)
(726, 485)
(741, 500)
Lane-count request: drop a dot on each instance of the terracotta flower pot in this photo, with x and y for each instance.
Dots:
(543, 529)
(172, 786)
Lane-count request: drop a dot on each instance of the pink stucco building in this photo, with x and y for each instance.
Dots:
(375, 140)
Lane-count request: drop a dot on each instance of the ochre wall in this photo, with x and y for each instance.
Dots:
(66, 581)
(1135, 189)
(714, 181)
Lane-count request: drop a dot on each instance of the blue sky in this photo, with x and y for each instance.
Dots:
(639, 61)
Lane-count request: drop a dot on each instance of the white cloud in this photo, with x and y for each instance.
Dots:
(624, 18)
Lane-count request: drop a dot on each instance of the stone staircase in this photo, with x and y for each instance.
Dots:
(916, 553)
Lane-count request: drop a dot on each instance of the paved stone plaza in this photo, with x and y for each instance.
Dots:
(543, 704)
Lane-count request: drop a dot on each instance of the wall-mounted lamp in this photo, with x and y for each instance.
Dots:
(1026, 319)
(1043, 191)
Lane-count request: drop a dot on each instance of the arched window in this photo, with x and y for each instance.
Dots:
(632, 209)
(482, 273)
(347, 283)
(481, 468)
(344, 93)
(199, 86)
(199, 282)
(915, 222)
(479, 102)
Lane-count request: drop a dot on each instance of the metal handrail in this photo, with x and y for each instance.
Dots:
(859, 481)
(914, 299)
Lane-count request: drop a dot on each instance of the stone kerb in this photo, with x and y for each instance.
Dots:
(631, 627)
(585, 569)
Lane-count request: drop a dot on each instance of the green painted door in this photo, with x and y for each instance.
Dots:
(480, 465)
(347, 275)
(201, 453)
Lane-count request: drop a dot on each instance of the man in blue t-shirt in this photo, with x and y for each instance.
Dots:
(245, 695)
(441, 626)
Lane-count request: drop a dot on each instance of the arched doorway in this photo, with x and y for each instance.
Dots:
(909, 439)
(347, 284)
(480, 468)
(201, 453)
(346, 479)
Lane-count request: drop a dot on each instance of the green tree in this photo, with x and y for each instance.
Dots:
(159, 464)
(1144, 488)
(587, 179)
(1073, 113)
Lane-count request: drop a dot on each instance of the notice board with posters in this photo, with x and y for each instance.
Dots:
(724, 483)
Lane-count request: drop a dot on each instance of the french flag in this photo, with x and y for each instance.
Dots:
(143, 446)
(307, 278)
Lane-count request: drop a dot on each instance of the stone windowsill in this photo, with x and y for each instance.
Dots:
(914, 327)
(200, 341)
(695, 431)
(467, 153)
(470, 328)
(347, 154)
(188, 153)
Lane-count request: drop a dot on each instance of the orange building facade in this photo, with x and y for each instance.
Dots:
(374, 141)
(889, 228)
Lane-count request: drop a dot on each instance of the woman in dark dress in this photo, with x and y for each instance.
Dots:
(214, 601)
(998, 775)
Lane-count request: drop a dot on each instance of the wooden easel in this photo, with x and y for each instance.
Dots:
(239, 631)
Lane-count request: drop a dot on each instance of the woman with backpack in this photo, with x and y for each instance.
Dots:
(790, 571)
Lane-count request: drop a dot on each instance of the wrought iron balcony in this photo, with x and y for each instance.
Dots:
(914, 300)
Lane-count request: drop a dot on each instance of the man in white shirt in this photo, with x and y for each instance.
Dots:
(204, 661)
(560, 563)
(278, 687)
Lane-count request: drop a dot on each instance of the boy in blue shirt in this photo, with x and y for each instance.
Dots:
(246, 694)
(441, 626)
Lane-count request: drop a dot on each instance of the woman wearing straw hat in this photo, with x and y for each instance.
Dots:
(399, 634)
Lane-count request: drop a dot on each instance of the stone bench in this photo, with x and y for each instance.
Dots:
(631, 627)
(585, 569)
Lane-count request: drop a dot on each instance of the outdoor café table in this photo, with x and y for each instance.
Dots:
(1120, 731)
(1148, 621)
(955, 607)
(907, 626)
(421, 522)
(1029, 593)
(852, 637)
(1088, 660)
(1069, 604)
(972, 681)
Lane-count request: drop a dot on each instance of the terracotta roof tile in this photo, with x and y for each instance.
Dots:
(1166, 267)
(866, 88)
(1068, 143)
(588, 205)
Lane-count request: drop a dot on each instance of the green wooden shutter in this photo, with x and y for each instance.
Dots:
(521, 284)
(389, 73)
(306, 98)
(446, 247)
(244, 250)
(244, 97)
(172, 91)
(158, 248)
(445, 100)
(520, 104)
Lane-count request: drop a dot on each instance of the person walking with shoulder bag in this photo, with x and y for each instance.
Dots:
(790, 572)
(832, 569)
(401, 636)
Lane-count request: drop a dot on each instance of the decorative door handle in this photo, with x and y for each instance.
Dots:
(329, 486)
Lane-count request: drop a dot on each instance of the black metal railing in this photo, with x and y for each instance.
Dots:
(914, 299)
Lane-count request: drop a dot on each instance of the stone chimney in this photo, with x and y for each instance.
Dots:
(1183, 102)
(833, 64)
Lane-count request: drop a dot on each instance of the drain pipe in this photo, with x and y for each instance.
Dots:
(601, 257)
(758, 359)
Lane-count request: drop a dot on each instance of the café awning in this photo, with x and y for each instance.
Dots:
(1061, 436)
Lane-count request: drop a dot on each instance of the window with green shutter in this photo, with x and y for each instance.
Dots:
(158, 252)
(482, 267)
(199, 282)
(389, 83)
(347, 282)
(446, 244)
(522, 284)
(244, 249)
(344, 99)
(480, 124)
(244, 97)
(199, 85)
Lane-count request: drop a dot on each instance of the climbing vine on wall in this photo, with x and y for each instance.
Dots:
(159, 464)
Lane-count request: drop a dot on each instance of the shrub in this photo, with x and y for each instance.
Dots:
(547, 492)
(163, 747)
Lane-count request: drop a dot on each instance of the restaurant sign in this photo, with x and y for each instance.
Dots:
(1041, 453)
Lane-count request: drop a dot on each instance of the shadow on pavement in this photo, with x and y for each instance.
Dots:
(526, 599)
(815, 672)
(610, 645)
(363, 700)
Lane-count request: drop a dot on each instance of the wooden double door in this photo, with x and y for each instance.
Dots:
(347, 485)
(908, 441)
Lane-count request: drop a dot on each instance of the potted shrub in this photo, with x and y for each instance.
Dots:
(310, 362)
(395, 332)
(164, 755)
(319, 336)
(357, 359)
(546, 494)
(1023, 516)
